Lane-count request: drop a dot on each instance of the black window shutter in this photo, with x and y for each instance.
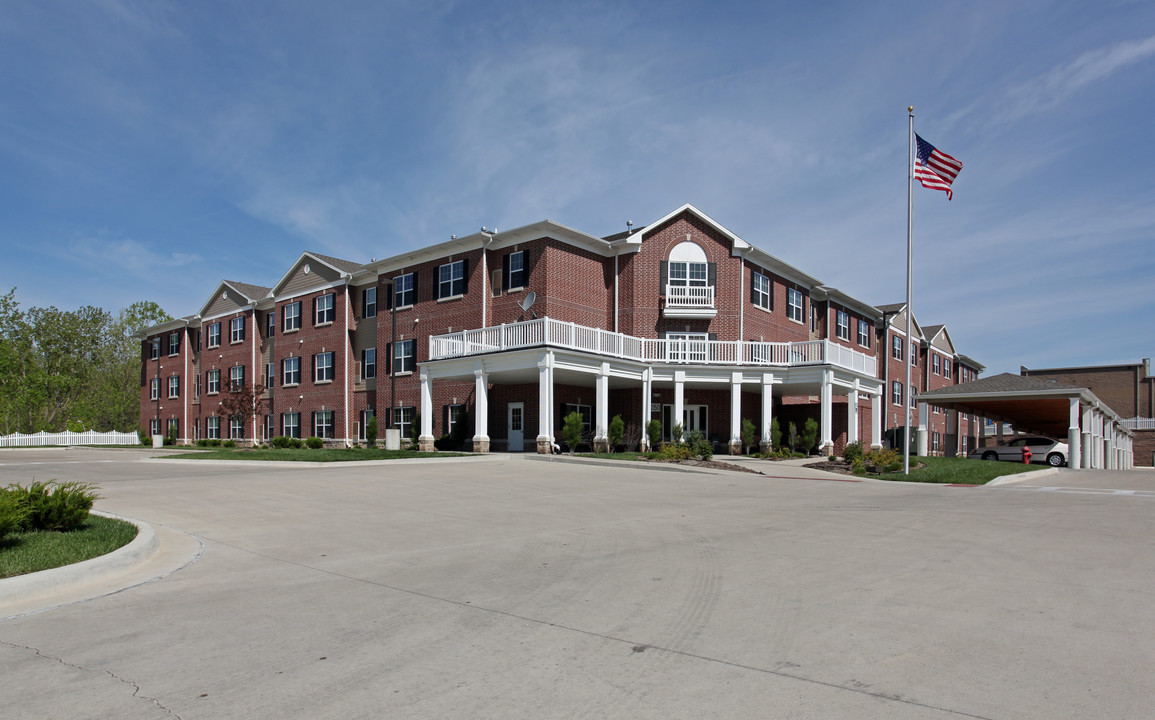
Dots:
(753, 292)
(711, 274)
(389, 297)
(314, 368)
(444, 419)
(314, 311)
(665, 276)
(416, 289)
(505, 272)
(436, 283)
(465, 276)
(388, 358)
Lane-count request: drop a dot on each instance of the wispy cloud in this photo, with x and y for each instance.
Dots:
(117, 256)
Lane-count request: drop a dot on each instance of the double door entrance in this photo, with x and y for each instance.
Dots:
(694, 417)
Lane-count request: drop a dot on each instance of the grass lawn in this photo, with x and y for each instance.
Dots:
(307, 455)
(36, 550)
(961, 471)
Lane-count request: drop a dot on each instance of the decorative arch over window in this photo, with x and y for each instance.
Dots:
(687, 267)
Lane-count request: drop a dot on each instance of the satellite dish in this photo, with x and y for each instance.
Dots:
(527, 301)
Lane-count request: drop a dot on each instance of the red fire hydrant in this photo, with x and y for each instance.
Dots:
(1026, 455)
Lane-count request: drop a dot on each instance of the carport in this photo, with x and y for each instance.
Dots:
(1094, 432)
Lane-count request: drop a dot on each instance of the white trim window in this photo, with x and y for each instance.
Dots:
(323, 367)
(760, 290)
(934, 441)
(270, 374)
(270, 323)
(403, 419)
(863, 334)
(154, 389)
(453, 417)
(291, 371)
(896, 347)
(842, 325)
(236, 377)
(368, 363)
(404, 356)
(325, 309)
(936, 364)
(451, 280)
(517, 270)
(237, 330)
(213, 427)
(946, 367)
(896, 392)
(794, 304)
(154, 427)
(369, 302)
(323, 424)
(914, 353)
(291, 317)
(214, 339)
(212, 382)
(174, 344)
(174, 427)
(236, 427)
(404, 290)
(154, 349)
(291, 424)
(174, 386)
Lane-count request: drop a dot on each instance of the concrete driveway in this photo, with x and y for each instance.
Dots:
(513, 588)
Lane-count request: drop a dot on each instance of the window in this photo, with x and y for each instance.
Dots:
(946, 367)
(760, 291)
(325, 309)
(516, 274)
(323, 367)
(270, 375)
(213, 427)
(451, 280)
(154, 389)
(292, 315)
(291, 424)
(154, 427)
(965, 444)
(934, 441)
(794, 304)
(212, 382)
(914, 354)
(174, 386)
(404, 356)
(813, 318)
(268, 426)
(291, 371)
(364, 424)
(323, 424)
(368, 363)
(936, 364)
(403, 419)
(911, 396)
(215, 335)
(154, 349)
(197, 387)
(586, 412)
(843, 325)
(174, 427)
(405, 290)
(174, 344)
(863, 333)
(237, 330)
(270, 323)
(236, 427)
(236, 377)
(454, 414)
(896, 347)
(369, 302)
(896, 392)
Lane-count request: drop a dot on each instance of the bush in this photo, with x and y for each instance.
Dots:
(852, 452)
(698, 445)
(282, 441)
(371, 432)
(314, 443)
(230, 443)
(654, 433)
(674, 451)
(54, 506)
(144, 439)
(571, 429)
(12, 513)
(882, 460)
(809, 435)
(775, 434)
(617, 429)
(749, 433)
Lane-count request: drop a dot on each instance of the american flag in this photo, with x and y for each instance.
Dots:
(935, 169)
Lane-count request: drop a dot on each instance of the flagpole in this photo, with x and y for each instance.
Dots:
(909, 281)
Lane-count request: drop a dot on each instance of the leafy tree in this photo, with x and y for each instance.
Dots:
(749, 434)
(371, 431)
(809, 434)
(775, 434)
(617, 429)
(792, 434)
(654, 434)
(571, 429)
(243, 401)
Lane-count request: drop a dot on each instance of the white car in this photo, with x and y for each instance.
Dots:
(1052, 452)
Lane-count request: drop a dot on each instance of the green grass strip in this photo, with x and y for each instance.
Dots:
(33, 551)
(958, 470)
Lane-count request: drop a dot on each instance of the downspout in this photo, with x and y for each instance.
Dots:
(742, 296)
(348, 341)
(616, 271)
(187, 384)
(254, 336)
(485, 291)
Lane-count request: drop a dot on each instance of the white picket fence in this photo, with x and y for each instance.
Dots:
(91, 437)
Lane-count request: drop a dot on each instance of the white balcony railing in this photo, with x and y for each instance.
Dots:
(694, 296)
(545, 331)
(1138, 423)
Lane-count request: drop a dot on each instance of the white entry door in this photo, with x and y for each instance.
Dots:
(693, 418)
(516, 425)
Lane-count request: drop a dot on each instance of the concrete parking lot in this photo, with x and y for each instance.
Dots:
(515, 588)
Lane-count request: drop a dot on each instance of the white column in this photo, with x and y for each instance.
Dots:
(544, 404)
(767, 409)
(922, 415)
(647, 398)
(852, 415)
(481, 409)
(679, 401)
(876, 404)
(736, 413)
(1098, 440)
(603, 409)
(827, 413)
(1073, 454)
(1088, 452)
(1109, 432)
(425, 439)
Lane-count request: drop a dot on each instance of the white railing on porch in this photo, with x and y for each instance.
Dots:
(1138, 423)
(546, 331)
(693, 296)
(91, 437)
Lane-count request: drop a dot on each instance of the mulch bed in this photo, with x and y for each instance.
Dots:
(713, 464)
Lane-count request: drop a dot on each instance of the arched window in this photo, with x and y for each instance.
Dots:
(688, 265)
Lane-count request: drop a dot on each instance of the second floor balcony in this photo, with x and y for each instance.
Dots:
(689, 301)
(545, 332)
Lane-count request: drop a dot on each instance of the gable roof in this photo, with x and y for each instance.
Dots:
(345, 268)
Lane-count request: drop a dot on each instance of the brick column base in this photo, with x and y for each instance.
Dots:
(601, 445)
(425, 444)
(480, 446)
(735, 447)
(543, 447)
(765, 448)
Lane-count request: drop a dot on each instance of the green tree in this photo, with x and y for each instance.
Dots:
(571, 428)
(775, 434)
(617, 430)
(809, 434)
(749, 434)
(371, 431)
(654, 434)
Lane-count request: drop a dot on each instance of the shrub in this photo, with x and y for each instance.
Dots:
(230, 443)
(314, 443)
(882, 459)
(371, 432)
(852, 452)
(281, 441)
(749, 433)
(295, 443)
(775, 434)
(144, 439)
(654, 433)
(617, 429)
(12, 513)
(809, 434)
(54, 506)
(792, 435)
(674, 451)
(571, 429)
(678, 433)
(698, 445)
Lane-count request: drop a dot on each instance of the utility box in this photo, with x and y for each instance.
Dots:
(158, 441)
(393, 439)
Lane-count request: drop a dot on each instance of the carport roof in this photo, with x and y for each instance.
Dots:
(1031, 404)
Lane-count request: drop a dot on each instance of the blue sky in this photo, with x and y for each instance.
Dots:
(150, 149)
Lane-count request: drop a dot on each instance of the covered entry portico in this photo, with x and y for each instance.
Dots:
(559, 354)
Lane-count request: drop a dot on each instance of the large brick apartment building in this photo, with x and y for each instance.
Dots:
(496, 336)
